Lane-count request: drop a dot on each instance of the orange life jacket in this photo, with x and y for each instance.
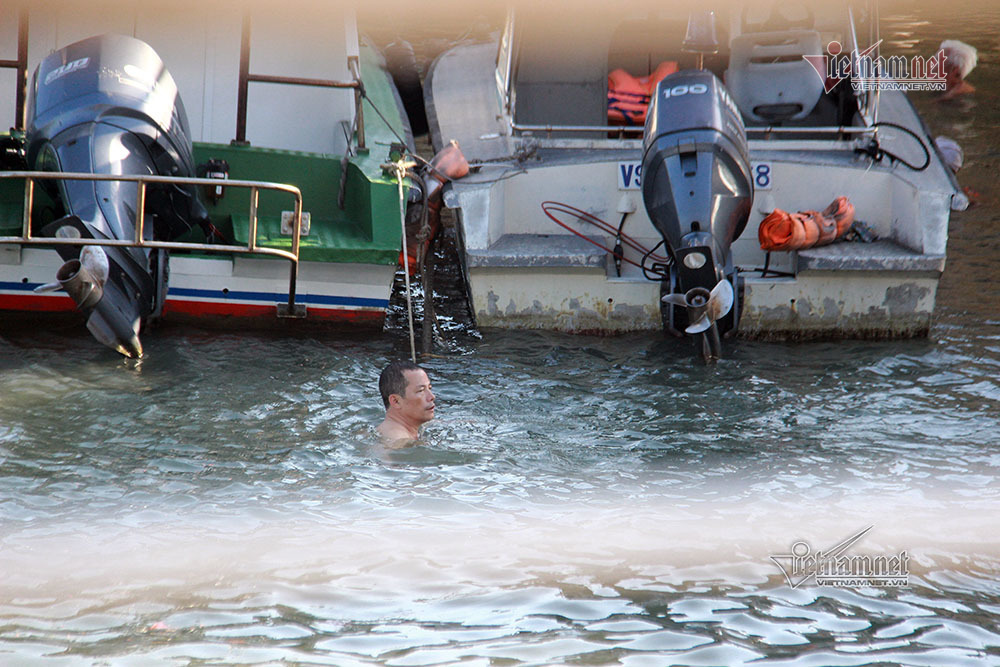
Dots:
(628, 96)
(782, 230)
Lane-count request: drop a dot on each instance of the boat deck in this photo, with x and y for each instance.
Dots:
(875, 256)
(539, 250)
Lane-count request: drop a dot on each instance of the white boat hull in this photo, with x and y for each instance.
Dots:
(816, 304)
(526, 271)
(224, 289)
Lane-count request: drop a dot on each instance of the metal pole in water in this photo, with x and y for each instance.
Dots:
(426, 277)
(400, 172)
(427, 282)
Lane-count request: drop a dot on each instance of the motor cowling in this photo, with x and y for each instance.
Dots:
(108, 105)
(696, 180)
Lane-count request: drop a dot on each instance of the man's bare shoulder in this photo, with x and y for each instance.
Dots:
(394, 435)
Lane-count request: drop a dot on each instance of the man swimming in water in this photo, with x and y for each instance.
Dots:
(960, 60)
(408, 399)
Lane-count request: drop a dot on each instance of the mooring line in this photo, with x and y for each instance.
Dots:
(400, 168)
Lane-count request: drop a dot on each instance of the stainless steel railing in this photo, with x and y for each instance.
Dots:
(139, 241)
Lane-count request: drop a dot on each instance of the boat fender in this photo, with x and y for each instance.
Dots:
(951, 152)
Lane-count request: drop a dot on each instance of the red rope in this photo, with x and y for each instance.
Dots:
(552, 207)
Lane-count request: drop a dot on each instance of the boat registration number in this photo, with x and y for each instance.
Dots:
(762, 175)
(630, 175)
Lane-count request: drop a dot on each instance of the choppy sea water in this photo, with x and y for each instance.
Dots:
(579, 500)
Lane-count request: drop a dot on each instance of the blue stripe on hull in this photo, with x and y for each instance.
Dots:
(276, 297)
(234, 295)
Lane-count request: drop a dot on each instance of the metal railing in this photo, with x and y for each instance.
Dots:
(637, 130)
(139, 241)
(616, 136)
(20, 65)
(246, 78)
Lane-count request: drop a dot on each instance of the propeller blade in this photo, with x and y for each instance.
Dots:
(675, 299)
(721, 300)
(48, 287)
(94, 259)
(702, 324)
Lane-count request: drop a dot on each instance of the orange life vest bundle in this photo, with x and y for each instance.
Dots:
(782, 230)
(628, 96)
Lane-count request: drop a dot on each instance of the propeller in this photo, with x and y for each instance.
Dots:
(82, 278)
(704, 307)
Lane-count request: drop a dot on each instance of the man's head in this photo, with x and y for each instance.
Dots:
(406, 392)
(960, 60)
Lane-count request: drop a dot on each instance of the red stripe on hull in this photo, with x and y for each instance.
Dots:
(37, 303)
(210, 308)
(207, 309)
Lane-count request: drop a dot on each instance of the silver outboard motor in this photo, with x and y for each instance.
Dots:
(107, 105)
(697, 189)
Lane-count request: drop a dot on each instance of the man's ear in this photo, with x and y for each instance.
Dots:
(394, 399)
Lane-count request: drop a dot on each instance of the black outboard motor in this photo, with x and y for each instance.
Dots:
(107, 105)
(697, 188)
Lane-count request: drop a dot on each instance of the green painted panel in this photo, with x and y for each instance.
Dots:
(366, 229)
(328, 240)
(11, 206)
(44, 210)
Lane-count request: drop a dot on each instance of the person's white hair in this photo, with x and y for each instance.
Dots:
(961, 54)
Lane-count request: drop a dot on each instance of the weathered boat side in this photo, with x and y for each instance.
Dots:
(526, 271)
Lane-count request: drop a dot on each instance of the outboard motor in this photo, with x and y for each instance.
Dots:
(107, 105)
(697, 189)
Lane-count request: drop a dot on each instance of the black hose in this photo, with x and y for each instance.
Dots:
(618, 246)
(876, 152)
(657, 274)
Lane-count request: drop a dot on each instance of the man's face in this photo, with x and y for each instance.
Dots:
(417, 405)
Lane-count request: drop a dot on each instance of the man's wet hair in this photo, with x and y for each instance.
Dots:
(393, 379)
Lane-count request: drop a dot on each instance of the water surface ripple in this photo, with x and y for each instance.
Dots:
(578, 500)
